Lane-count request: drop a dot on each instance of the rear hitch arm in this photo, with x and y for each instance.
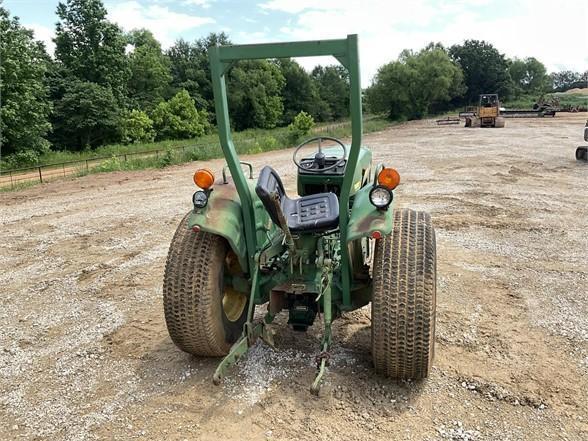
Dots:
(251, 332)
(324, 357)
(249, 337)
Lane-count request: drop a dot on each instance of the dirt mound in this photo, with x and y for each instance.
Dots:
(577, 91)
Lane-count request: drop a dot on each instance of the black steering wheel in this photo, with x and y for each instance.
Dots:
(319, 157)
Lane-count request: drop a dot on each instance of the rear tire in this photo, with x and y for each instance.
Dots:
(404, 295)
(499, 122)
(582, 153)
(195, 297)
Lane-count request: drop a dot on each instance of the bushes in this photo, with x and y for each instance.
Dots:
(302, 125)
(136, 126)
(24, 158)
(179, 119)
(112, 164)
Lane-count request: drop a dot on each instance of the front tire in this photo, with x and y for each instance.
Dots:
(203, 316)
(404, 296)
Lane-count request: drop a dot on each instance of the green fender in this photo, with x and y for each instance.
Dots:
(223, 216)
(365, 218)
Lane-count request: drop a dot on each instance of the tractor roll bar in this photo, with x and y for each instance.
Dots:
(346, 52)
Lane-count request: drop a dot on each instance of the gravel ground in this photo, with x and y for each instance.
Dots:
(84, 353)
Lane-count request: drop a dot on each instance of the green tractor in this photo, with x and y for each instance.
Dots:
(334, 248)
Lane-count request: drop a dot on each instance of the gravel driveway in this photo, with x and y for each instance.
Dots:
(84, 353)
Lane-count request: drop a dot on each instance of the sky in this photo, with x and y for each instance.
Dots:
(553, 31)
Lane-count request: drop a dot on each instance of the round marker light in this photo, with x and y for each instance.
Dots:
(200, 199)
(203, 178)
(389, 178)
(380, 197)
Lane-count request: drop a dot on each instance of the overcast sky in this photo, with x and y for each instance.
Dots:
(553, 31)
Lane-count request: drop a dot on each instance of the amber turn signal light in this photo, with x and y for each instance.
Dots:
(203, 178)
(389, 178)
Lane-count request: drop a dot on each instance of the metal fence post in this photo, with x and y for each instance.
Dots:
(63, 169)
(40, 176)
(87, 169)
(11, 183)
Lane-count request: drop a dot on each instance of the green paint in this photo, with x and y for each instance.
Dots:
(365, 218)
(311, 271)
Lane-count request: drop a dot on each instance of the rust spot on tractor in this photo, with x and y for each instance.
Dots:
(222, 197)
(373, 221)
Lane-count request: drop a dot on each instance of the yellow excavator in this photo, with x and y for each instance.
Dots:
(487, 114)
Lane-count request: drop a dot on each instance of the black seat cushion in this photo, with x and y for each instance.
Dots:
(312, 213)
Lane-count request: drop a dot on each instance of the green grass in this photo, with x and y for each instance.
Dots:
(565, 100)
(18, 186)
(205, 148)
(263, 141)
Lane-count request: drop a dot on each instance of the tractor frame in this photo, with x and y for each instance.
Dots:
(317, 273)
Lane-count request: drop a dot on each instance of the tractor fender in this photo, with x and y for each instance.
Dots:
(365, 219)
(222, 216)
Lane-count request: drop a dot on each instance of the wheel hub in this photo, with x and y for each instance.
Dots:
(233, 304)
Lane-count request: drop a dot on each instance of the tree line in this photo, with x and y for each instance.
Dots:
(103, 85)
(436, 79)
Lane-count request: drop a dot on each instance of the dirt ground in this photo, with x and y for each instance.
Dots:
(84, 353)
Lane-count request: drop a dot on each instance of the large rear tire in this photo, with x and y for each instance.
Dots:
(404, 295)
(582, 153)
(203, 316)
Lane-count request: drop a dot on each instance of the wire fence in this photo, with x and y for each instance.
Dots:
(47, 172)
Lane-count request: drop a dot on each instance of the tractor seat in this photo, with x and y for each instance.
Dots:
(312, 213)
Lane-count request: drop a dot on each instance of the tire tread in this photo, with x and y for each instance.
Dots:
(191, 292)
(404, 296)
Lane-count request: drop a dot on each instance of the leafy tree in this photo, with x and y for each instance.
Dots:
(567, 79)
(190, 68)
(415, 84)
(89, 47)
(187, 73)
(333, 86)
(255, 99)
(136, 126)
(255, 86)
(150, 70)
(485, 69)
(87, 115)
(528, 75)
(24, 105)
(300, 92)
(179, 119)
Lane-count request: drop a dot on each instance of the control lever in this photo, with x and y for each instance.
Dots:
(319, 157)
